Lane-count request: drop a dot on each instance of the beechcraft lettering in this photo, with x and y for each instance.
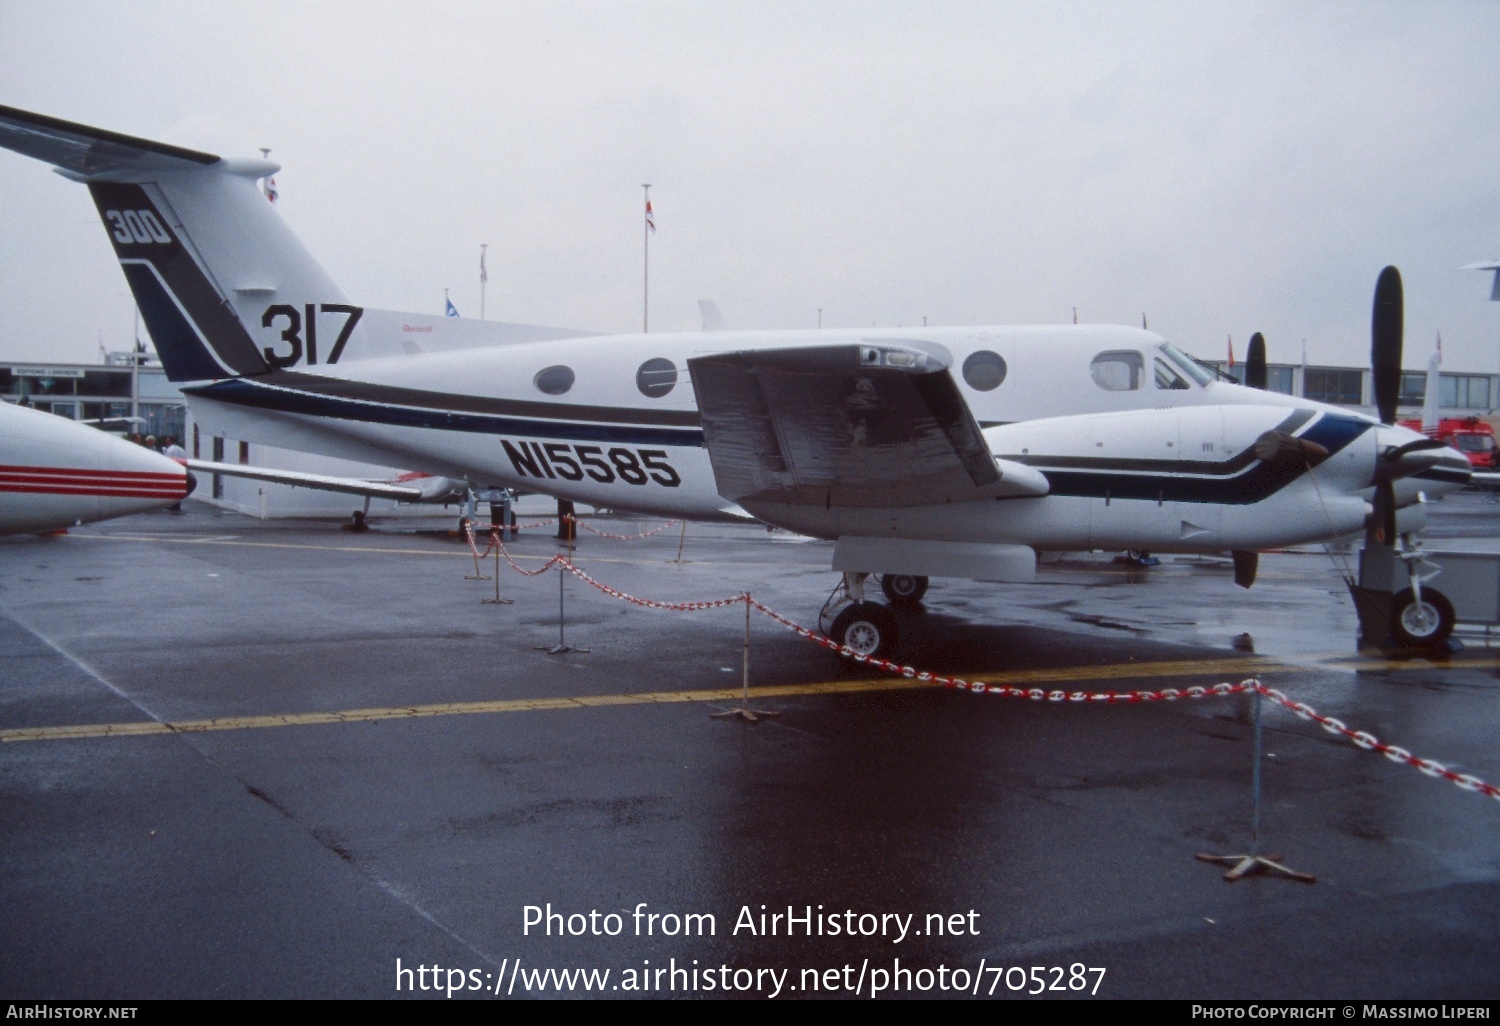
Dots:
(931, 452)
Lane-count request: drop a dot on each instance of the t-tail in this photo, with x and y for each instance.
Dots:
(208, 257)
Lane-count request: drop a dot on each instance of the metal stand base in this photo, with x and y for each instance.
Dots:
(746, 713)
(559, 649)
(1248, 865)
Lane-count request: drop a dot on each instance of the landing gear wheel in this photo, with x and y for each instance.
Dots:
(357, 520)
(867, 629)
(1423, 624)
(903, 589)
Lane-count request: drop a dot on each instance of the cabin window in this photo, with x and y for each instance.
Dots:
(984, 370)
(656, 377)
(1166, 377)
(554, 380)
(1118, 370)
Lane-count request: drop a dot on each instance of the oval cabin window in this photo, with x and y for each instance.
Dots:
(554, 380)
(656, 377)
(984, 370)
(1118, 370)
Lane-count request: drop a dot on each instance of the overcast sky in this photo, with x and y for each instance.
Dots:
(1223, 168)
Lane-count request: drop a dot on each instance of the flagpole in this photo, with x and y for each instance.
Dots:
(484, 277)
(646, 262)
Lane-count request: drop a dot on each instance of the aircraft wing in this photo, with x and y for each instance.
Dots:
(296, 479)
(860, 425)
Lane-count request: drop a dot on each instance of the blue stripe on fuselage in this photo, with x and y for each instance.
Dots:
(245, 392)
(1260, 481)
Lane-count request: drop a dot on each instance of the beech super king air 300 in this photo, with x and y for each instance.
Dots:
(956, 452)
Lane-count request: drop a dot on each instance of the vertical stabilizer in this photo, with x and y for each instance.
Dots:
(224, 286)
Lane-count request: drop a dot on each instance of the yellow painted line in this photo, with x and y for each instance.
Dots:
(580, 557)
(1225, 669)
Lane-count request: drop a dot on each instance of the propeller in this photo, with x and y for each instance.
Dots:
(1255, 362)
(1377, 566)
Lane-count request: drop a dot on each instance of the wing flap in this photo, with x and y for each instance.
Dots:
(861, 425)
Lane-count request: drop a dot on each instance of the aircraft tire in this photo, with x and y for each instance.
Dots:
(867, 629)
(1421, 624)
(903, 589)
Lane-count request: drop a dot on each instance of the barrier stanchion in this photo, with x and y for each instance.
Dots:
(478, 574)
(744, 712)
(1254, 862)
(495, 535)
(681, 541)
(564, 565)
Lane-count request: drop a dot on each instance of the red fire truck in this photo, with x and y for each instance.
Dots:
(1469, 435)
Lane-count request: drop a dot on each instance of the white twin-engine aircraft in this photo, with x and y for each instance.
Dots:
(949, 452)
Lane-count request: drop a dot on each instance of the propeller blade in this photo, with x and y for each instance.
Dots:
(1255, 362)
(1381, 530)
(1386, 322)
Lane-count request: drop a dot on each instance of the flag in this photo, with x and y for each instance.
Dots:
(650, 220)
(1231, 351)
(452, 310)
(484, 274)
(271, 192)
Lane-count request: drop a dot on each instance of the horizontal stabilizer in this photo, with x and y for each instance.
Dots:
(859, 425)
(324, 482)
(87, 151)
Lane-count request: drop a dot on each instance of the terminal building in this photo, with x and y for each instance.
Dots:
(129, 393)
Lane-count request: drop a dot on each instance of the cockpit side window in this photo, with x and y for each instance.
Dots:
(1189, 366)
(1118, 370)
(1166, 377)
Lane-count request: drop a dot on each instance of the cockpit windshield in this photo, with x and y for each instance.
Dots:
(1189, 366)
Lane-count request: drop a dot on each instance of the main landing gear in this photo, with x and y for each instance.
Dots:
(903, 589)
(869, 628)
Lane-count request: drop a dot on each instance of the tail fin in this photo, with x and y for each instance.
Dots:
(224, 286)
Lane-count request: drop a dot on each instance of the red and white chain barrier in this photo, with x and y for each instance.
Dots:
(1004, 690)
(624, 537)
(533, 525)
(1370, 743)
(1360, 738)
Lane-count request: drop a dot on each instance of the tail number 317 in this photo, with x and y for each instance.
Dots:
(296, 327)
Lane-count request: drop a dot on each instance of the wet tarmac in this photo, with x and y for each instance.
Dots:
(281, 759)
